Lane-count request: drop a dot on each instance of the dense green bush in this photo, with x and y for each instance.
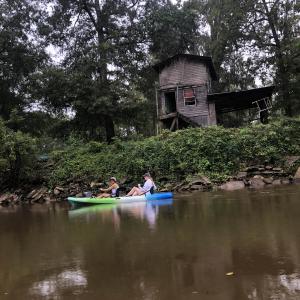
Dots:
(17, 155)
(215, 151)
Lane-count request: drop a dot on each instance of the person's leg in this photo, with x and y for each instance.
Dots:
(132, 191)
(104, 195)
(137, 192)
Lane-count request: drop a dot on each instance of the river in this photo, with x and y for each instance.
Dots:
(208, 246)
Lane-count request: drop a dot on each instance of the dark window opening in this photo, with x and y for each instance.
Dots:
(170, 102)
(189, 97)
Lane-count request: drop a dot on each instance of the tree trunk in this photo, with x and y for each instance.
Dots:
(100, 20)
(282, 71)
(14, 175)
(109, 128)
(285, 93)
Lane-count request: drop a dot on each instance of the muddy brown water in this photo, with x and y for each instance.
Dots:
(208, 246)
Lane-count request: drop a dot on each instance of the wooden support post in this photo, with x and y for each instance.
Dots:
(157, 113)
(264, 116)
(173, 124)
(177, 97)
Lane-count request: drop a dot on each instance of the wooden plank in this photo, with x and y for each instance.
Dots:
(212, 119)
(157, 112)
(177, 95)
(168, 116)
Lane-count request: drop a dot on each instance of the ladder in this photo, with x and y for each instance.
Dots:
(264, 104)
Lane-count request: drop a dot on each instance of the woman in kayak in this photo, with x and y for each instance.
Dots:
(111, 191)
(147, 188)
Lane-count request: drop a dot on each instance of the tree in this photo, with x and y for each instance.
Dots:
(272, 28)
(173, 28)
(20, 56)
(223, 41)
(252, 40)
(104, 50)
(17, 155)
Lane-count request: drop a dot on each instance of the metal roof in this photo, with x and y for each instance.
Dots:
(232, 101)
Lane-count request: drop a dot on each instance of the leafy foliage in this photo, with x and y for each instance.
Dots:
(20, 57)
(216, 152)
(104, 51)
(102, 84)
(17, 156)
(173, 29)
(271, 34)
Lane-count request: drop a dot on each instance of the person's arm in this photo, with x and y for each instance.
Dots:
(109, 188)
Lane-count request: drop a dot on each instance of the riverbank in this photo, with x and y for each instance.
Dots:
(194, 159)
(253, 177)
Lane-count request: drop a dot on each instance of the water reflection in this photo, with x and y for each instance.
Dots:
(275, 287)
(55, 285)
(178, 251)
(143, 211)
(290, 282)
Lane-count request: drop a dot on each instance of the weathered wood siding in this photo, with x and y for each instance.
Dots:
(199, 112)
(184, 72)
(212, 117)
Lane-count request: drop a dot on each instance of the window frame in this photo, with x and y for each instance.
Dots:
(188, 99)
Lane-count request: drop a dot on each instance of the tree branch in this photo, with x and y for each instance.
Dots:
(134, 3)
(86, 8)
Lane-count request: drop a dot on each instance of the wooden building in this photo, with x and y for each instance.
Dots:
(185, 97)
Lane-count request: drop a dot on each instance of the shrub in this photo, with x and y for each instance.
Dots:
(17, 156)
(215, 151)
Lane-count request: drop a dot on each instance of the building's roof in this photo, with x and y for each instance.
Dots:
(201, 59)
(233, 101)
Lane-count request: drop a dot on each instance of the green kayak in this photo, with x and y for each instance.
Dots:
(142, 198)
(93, 200)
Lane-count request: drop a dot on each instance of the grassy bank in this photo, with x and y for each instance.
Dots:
(215, 152)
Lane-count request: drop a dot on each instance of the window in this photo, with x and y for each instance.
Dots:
(189, 97)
